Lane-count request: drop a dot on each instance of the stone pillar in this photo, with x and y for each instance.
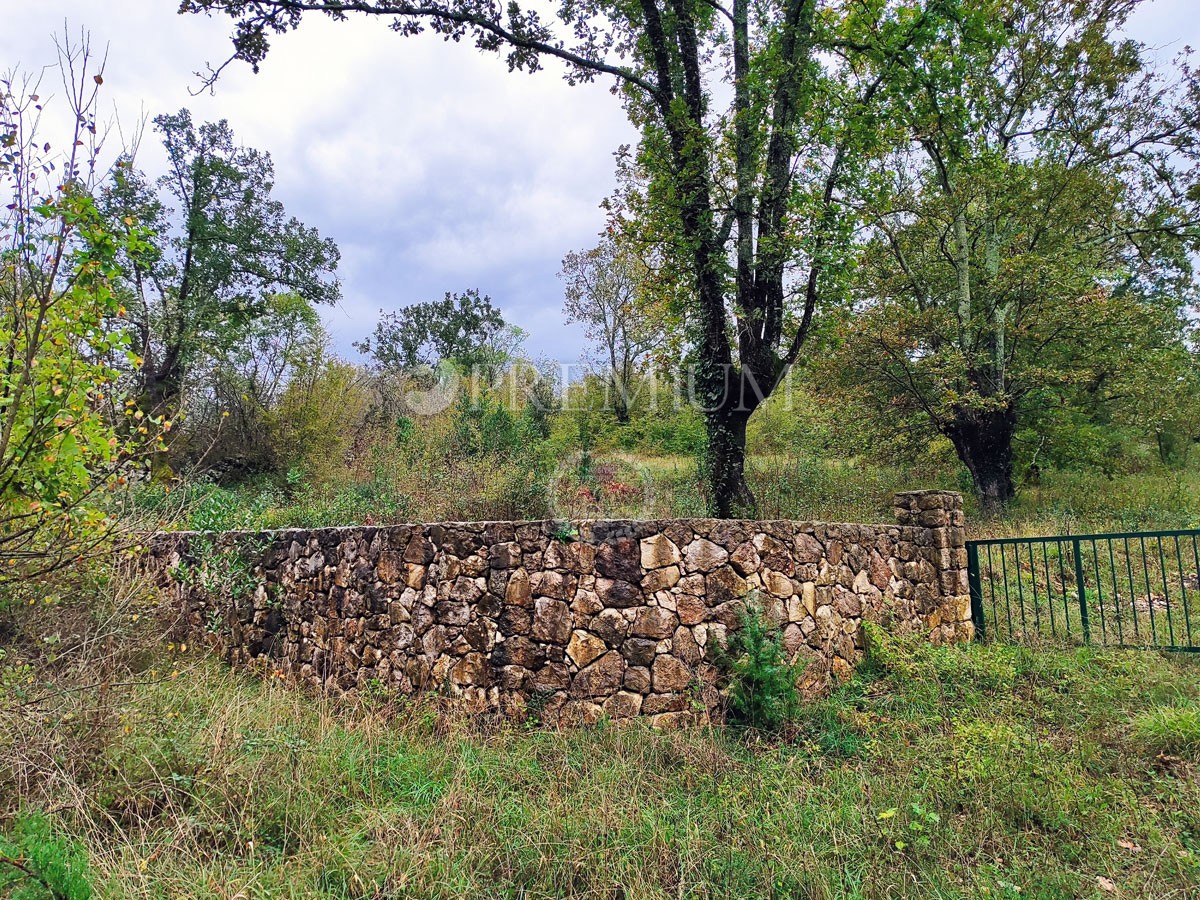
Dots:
(938, 519)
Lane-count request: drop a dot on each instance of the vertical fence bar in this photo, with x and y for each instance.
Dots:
(1149, 593)
(992, 588)
(1062, 580)
(1132, 593)
(1112, 563)
(1162, 569)
(1187, 615)
(1099, 593)
(1037, 613)
(1196, 560)
(1020, 588)
(1049, 588)
(1007, 601)
(975, 589)
(1081, 591)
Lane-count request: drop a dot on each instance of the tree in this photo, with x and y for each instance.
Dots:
(603, 292)
(240, 392)
(320, 413)
(745, 199)
(221, 251)
(67, 436)
(1036, 218)
(465, 329)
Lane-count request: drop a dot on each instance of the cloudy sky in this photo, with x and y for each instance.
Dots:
(432, 167)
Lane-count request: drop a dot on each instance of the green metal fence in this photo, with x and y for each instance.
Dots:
(1136, 589)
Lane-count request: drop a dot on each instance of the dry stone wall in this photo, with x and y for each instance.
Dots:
(580, 620)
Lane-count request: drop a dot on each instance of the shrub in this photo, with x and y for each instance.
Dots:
(35, 863)
(68, 434)
(762, 683)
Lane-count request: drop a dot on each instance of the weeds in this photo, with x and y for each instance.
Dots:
(1002, 768)
(979, 771)
(1170, 729)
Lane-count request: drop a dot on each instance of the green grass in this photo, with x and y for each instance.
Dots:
(961, 772)
(1169, 729)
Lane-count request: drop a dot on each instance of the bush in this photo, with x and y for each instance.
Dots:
(35, 863)
(762, 683)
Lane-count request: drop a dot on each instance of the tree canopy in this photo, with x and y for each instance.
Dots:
(605, 291)
(465, 329)
(221, 248)
(1032, 229)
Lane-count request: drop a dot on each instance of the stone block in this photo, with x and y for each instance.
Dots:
(584, 647)
(551, 621)
(658, 551)
(702, 555)
(619, 594)
(654, 622)
(600, 679)
(623, 705)
(670, 674)
(661, 579)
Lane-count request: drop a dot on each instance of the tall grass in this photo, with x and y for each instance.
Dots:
(957, 772)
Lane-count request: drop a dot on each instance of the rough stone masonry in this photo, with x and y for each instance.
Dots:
(577, 620)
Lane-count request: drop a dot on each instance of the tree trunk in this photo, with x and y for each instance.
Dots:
(620, 399)
(726, 462)
(984, 442)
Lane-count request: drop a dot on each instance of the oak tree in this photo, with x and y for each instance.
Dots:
(465, 329)
(222, 248)
(1033, 230)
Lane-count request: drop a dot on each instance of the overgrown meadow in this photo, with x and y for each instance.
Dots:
(980, 771)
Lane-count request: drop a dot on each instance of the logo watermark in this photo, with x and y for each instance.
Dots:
(576, 386)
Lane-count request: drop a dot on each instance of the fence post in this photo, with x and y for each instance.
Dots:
(975, 588)
(1081, 591)
(936, 520)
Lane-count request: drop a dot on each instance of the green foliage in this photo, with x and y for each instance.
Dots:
(1024, 259)
(224, 569)
(215, 260)
(762, 683)
(36, 863)
(67, 433)
(1026, 759)
(606, 291)
(465, 329)
(318, 416)
(213, 508)
(482, 424)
